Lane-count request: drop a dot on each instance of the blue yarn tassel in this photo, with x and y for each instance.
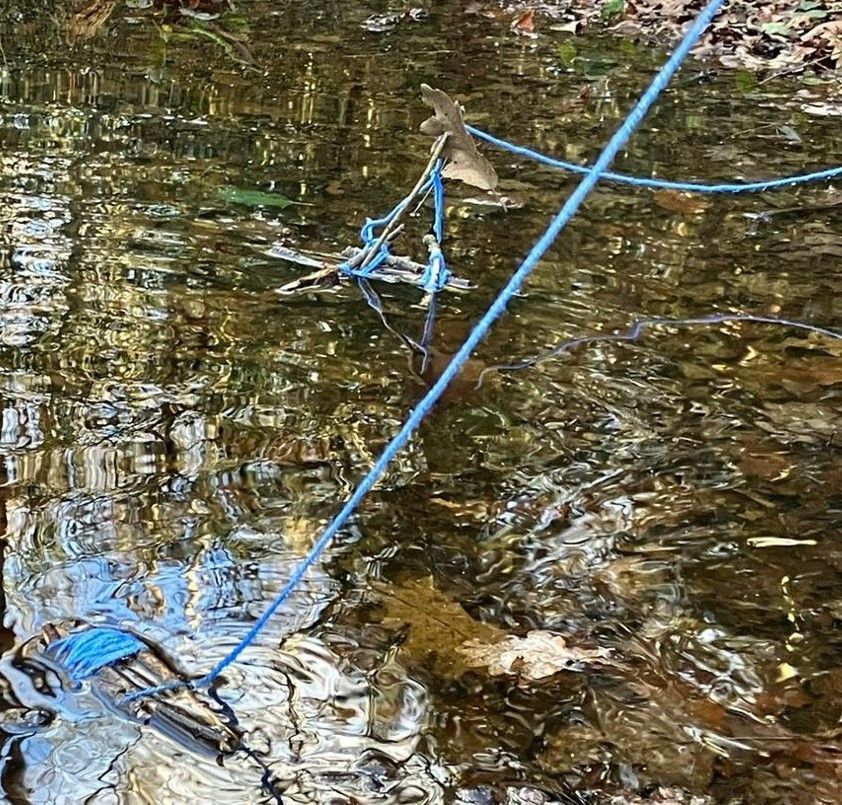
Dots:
(84, 653)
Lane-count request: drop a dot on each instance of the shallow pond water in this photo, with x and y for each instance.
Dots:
(175, 434)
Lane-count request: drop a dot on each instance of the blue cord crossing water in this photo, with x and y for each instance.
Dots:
(497, 308)
(660, 184)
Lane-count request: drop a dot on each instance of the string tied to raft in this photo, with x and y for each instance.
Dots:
(731, 187)
(436, 273)
(376, 252)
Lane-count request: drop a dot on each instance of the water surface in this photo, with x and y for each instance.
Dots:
(175, 434)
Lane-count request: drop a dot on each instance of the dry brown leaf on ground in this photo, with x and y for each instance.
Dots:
(538, 655)
(524, 24)
(758, 34)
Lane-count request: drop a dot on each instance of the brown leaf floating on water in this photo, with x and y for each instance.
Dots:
(464, 161)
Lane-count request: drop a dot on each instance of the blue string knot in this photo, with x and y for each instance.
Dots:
(436, 272)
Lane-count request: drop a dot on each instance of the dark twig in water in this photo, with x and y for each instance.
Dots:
(635, 332)
(373, 301)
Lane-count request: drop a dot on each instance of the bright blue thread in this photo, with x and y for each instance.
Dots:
(438, 198)
(663, 184)
(368, 235)
(436, 272)
(497, 308)
(84, 653)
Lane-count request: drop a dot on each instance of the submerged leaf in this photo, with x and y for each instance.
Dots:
(464, 161)
(540, 654)
(253, 198)
(683, 203)
(436, 625)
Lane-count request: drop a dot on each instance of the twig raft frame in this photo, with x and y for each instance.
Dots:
(328, 272)
(454, 155)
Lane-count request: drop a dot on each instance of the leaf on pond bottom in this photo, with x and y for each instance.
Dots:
(683, 203)
(254, 198)
(538, 655)
(436, 625)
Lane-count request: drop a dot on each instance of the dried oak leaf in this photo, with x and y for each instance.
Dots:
(88, 19)
(435, 624)
(464, 161)
(538, 655)
(524, 23)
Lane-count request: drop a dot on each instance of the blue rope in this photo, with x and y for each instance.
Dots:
(497, 308)
(438, 198)
(436, 273)
(84, 653)
(664, 184)
(635, 332)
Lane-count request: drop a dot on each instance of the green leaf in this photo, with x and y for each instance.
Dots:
(772, 28)
(612, 8)
(566, 53)
(253, 198)
(746, 81)
(813, 14)
(790, 133)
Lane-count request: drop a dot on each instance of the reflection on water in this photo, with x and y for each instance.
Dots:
(174, 435)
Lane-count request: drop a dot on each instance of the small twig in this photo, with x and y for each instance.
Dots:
(422, 200)
(367, 255)
(635, 333)
(796, 68)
